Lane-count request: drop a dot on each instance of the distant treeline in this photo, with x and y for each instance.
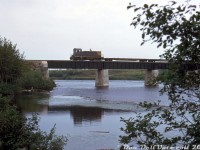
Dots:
(90, 74)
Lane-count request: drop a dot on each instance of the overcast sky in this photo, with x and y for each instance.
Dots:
(50, 29)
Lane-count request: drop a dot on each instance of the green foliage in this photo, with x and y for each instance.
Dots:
(11, 62)
(7, 89)
(15, 72)
(34, 80)
(49, 141)
(176, 28)
(17, 131)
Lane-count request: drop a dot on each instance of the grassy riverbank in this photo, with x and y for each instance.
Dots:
(90, 74)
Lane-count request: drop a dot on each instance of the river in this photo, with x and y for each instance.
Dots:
(88, 116)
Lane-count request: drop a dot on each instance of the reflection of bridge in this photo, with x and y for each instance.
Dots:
(81, 114)
(102, 78)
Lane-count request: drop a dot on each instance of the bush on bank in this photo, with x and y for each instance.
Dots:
(17, 131)
(16, 74)
(33, 79)
(7, 89)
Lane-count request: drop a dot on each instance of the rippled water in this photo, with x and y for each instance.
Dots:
(90, 117)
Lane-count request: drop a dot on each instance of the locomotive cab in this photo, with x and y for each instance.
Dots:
(78, 54)
(77, 50)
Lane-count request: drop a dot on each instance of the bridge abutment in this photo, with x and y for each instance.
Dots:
(102, 78)
(41, 66)
(150, 77)
(44, 69)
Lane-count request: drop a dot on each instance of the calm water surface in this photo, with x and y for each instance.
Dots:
(88, 116)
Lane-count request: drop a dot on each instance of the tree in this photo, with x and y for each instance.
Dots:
(34, 79)
(16, 73)
(11, 62)
(17, 131)
(11, 66)
(175, 27)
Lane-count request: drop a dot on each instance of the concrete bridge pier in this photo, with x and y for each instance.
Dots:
(102, 78)
(150, 77)
(41, 66)
(44, 69)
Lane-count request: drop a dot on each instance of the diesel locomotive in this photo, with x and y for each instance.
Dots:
(78, 54)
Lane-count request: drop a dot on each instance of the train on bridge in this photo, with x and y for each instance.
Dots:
(79, 54)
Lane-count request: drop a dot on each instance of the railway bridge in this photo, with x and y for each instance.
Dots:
(102, 66)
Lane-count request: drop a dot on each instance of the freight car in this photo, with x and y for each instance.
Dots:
(78, 54)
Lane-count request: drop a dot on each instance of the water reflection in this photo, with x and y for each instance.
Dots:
(79, 114)
(77, 108)
(28, 103)
(83, 114)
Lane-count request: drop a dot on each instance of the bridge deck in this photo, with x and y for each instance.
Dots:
(67, 64)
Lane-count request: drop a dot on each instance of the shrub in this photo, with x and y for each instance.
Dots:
(17, 131)
(34, 79)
